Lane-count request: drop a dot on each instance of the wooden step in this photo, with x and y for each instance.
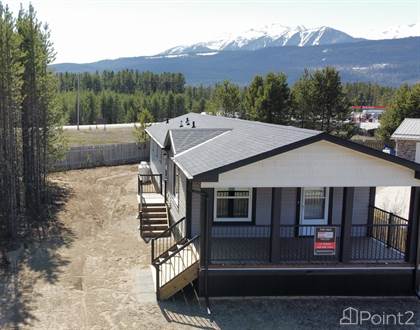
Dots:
(179, 282)
(153, 233)
(154, 204)
(154, 226)
(153, 214)
(157, 208)
(154, 220)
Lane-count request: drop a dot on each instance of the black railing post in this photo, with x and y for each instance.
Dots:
(165, 190)
(388, 233)
(371, 215)
(153, 250)
(160, 183)
(371, 210)
(346, 225)
(413, 230)
(157, 267)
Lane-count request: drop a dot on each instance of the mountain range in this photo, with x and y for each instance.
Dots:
(274, 35)
(279, 48)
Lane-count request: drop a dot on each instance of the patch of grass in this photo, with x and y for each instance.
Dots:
(99, 136)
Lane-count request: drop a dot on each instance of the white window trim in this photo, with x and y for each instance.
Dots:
(239, 220)
(326, 207)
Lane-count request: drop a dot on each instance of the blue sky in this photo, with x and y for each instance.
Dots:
(90, 30)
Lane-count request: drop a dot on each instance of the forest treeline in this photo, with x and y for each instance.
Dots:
(29, 117)
(318, 100)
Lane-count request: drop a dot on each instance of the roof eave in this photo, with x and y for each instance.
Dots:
(212, 175)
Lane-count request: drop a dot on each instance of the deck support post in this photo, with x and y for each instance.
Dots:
(412, 244)
(372, 198)
(188, 211)
(346, 223)
(205, 236)
(275, 225)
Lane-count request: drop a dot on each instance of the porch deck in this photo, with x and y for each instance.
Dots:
(151, 198)
(150, 189)
(297, 250)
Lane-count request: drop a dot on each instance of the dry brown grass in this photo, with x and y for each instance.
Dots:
(99, 136)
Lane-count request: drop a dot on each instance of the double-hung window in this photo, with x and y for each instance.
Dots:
(233, 205)
(176, 184)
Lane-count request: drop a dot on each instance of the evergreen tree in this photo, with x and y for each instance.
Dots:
(253, 96)
(328, 99)
(302, 105)
(10, 143)
(227, 99)
(39, 115)
(405, 104)
(319, 102)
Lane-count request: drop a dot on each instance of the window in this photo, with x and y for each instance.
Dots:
(233, 205)
(156, 151)
(176, 184)
(314, 205)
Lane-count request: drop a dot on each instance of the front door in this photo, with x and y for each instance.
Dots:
(313, 209)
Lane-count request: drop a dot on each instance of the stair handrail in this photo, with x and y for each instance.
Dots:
(157, 263)
(162, 235)
(170, 255)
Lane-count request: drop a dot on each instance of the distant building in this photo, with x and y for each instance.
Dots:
(407, 139)
(363, 114)
(367, 117)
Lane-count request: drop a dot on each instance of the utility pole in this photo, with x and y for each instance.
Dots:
(78, 100)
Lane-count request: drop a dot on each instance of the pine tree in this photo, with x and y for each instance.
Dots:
(39, 115)
(9, 118)
(405, 104)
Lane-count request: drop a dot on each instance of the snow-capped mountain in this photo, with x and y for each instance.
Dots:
(274, 35)
(395, 32)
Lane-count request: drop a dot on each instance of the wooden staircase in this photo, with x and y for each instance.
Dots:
(176, 269)
(154, 220)
(175, 260)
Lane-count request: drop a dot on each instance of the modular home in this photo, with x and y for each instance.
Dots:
(241, 207)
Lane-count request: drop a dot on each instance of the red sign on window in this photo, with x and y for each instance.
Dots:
(325, 241)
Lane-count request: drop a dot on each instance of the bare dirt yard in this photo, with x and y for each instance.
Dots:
(92, 272)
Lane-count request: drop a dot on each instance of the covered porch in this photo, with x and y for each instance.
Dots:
(371, 236)
(292, 195)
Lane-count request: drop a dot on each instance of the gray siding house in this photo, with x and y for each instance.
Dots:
(264, 209)
(407, 139)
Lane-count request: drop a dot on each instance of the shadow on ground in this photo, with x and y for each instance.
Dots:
(289, 312)
(35, 251)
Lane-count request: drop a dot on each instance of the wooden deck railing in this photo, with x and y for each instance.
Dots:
(149, 183)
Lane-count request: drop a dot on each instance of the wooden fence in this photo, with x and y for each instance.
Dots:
(103, 155)
(375, 144)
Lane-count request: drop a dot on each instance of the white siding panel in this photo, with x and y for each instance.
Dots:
(321, 164)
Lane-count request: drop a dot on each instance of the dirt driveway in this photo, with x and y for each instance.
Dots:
(93, 273)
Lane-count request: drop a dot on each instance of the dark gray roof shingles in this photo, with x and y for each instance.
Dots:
(184, 139)
(236, 140)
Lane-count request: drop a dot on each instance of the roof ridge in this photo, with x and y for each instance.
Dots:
(200, 129)
(248, 122)
(202, 143)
